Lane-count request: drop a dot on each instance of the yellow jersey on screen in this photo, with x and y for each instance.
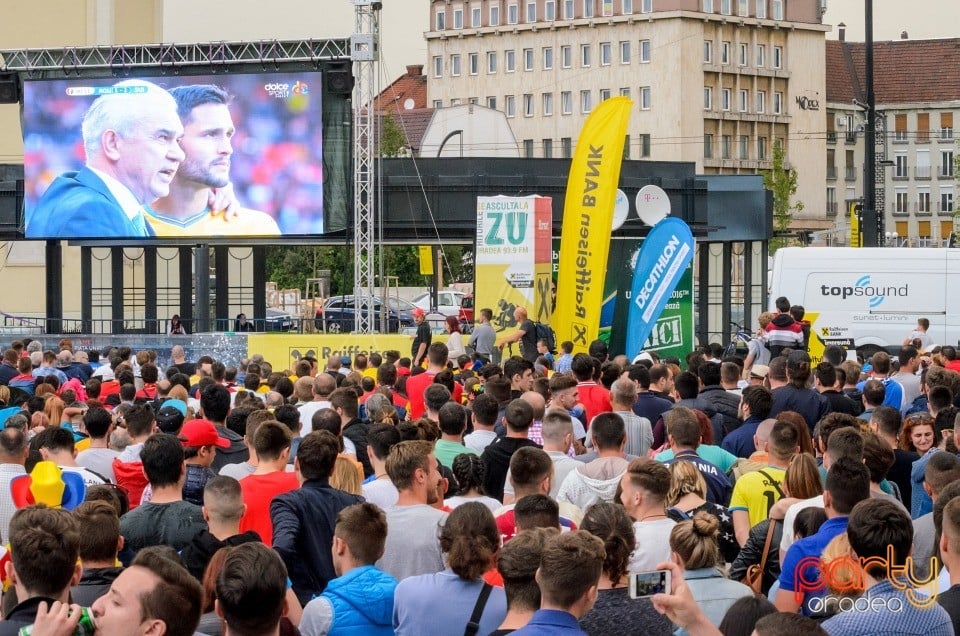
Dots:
(206, 223)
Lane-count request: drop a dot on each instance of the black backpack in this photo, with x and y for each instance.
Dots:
(545, 333)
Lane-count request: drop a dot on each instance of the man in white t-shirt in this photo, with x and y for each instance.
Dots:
(557, 438)
(645, 486)
(379, 489)
(484, 413)
(323, 385)
(56, 445)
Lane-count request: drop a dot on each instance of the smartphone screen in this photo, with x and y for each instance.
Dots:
(644, 584)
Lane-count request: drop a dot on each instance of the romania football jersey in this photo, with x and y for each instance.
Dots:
(207, 223)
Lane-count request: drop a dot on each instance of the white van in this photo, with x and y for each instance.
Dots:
(870, 298)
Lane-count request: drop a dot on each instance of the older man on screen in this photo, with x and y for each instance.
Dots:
(189, 209)
(131, 138)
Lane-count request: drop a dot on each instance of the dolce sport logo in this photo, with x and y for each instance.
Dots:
(863, 288)
(283, 90)
(844, 579)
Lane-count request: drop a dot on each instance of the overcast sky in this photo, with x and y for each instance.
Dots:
(921, 19)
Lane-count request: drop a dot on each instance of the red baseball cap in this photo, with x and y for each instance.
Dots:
(201, 433)
(417, 312)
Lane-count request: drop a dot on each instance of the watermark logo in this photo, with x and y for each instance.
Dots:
(301, 88)
(845, 576)
(277, 90)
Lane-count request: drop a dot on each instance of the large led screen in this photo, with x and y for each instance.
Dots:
(238, 155)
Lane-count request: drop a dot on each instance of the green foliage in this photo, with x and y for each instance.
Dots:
(393, 141)
(783, 184)
(290, 266)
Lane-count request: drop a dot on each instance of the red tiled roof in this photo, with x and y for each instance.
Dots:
(414, 124)
(903, 70)
(412, 85)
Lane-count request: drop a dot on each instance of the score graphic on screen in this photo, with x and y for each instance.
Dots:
(236, 155)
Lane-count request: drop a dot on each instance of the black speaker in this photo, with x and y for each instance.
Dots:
(9, 88)
(339, 77)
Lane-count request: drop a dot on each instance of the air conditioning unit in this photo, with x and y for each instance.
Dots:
(841, 121)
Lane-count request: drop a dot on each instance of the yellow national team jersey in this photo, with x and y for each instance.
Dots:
(247, 223)
(756, 493)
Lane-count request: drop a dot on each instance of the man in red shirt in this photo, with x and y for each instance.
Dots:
(270, 478)
(594, 398)
(416, 384)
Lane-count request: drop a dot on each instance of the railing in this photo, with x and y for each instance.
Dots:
(831, 207)
(922, 172)
(850, 173)
(832, 173)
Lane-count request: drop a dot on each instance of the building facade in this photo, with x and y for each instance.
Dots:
(714, 82)
(917, 91)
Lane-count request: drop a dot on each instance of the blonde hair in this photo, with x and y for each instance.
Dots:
(53, 409)
(695, 541)
(345, 476)
(846, 578)
(685, 478)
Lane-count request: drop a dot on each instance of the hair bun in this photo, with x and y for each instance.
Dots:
(705, 524)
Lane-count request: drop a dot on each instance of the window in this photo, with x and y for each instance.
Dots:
(742, 54)
(761, 57)
(510, 105)
(605, 53)
(725, 99)
(850, 169)
(566, 147)
(707, 51)
(604, 95)
(946, 126)
(458, 18)
(531, 11)
(441, 20)
(548, 148)
(778, 103)
(743, 8)
(778, 57)
(644, 146)
(566, 102)
(831, 200)
(528, 148)
(707, 98)
(607, 8)
(708, 146)
(762, 9)
(626, 144)
(492, 103)
(624, 52)
(901, 202)
(646, 6)
(510, 61)
(742, 100)
(566, 56)
(491, 61)
(761, 101)
(513, 14)
(438, 103)
(645, 51)
(568, 9)
(923, 164)
(547, 58)
(645, 98)
(946, 199)
(762, 148)
(726, 7)
(725, 146)
(923, 128)
(528, 59)
(627, 7)
(744, 147)
(946, 163)
(494, 15)
(588, 8)
(725, 53)
(455, 65)
(528, 105)
(455, 102)
(550, 10)
(900, 128)
(473, 59)
(586, 101)
(900, 169)
(777, 10)
(708, 6)
(584, 55)
(548, 104)
(625, 92)
(923, 200)
(437, 66)
(476, 16)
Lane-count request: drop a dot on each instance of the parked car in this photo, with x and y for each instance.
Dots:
(278, 320)
(448, 302)
(338, 314)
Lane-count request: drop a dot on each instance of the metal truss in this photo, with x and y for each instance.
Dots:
(76, 58)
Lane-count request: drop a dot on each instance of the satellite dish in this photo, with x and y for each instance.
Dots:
(653, 204)
(621, 209)
(408, 104)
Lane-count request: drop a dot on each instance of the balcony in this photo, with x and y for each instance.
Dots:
(901, 137)
(831, 136)
(901, 173)
(922, 173)
(831, 208)
(922, 208)
(945, 210)
(945, 175)
(832, 173)
(850, 173)
(901, 209)
(946, 136)
(851, 137)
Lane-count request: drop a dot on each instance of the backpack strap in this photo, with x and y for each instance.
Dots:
(473, 625)
(680, 512)
(773, 482)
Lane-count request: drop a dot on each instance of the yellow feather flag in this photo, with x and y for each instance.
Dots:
(587, 223)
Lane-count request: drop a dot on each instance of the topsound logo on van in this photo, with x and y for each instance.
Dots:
(864, 289)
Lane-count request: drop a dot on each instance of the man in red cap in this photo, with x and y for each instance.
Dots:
(423, 338)
(200, 441)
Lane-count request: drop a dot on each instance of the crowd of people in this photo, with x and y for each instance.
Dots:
(373, 495)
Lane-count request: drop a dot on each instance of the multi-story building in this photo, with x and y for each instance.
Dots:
(714, 82)
(917, 88)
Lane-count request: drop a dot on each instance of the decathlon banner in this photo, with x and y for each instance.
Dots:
(512, 259)
(664, 257)
(587, 223)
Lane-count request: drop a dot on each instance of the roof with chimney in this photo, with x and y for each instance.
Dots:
(405, 100)
(904, 71)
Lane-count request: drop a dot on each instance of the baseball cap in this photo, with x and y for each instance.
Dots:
(180, 405)
(417, 312)
(759, 370)
(201, 433)
(643, 355)
(169, 417)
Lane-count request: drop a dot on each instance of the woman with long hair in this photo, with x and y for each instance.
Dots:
(688, 496)
(175, 327)
(614, 609)
(455, 346)
(469, 471)
(441, 604)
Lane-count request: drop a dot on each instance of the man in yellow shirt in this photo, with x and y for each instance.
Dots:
(756, 492)
(207, 143)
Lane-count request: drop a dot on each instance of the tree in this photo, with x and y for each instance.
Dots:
(783, 183)
(393, 141)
